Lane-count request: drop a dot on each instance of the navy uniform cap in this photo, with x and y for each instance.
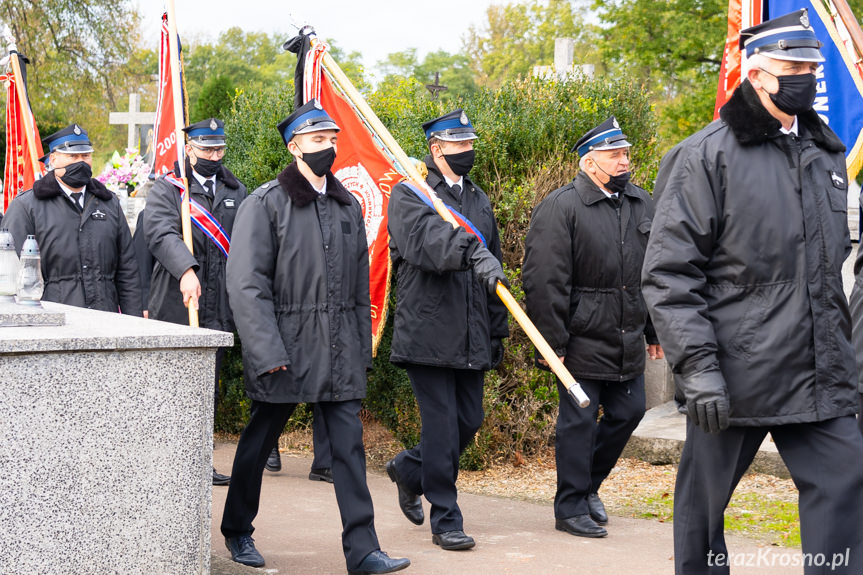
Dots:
(70, 140)
(207, 133)
(788, 37)
(310, 117)
(452, 127)
(606, 136)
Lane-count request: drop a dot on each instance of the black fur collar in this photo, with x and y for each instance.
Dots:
(751, 124)
(301, 191)
(48, 187)
(224, 175)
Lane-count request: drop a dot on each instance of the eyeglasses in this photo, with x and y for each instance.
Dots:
(209, 152)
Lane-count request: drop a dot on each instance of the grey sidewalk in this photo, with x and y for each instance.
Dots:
(298, 528)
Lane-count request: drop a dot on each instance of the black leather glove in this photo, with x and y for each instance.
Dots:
(487, 269)
(496, 352)
(706, 399)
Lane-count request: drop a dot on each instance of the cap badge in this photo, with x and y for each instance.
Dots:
(77, 130)
(213, 124)
(318, 105)
(463, 119)
(804, 19)
(615, 124)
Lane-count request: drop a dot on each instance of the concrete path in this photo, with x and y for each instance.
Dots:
(298, 532)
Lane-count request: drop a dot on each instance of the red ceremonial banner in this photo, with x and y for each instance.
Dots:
(165, 134)
(370, 177)
(741, 15)
(19, 173)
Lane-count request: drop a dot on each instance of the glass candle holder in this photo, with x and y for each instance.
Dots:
(30, 282)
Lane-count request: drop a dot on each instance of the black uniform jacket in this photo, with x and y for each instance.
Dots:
(87, 258)
(164, 234)
(582, 278)
(743, 270)
(298, 279)
(444, 316)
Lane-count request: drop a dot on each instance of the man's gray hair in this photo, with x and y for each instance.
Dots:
(582, 163)
(753, 62)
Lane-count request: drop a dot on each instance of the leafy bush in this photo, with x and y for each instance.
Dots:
(526, 129)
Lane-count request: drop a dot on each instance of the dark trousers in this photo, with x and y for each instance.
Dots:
(450, 402)
(824, 459)
(349, 473)
(586, 451)
(321, 442)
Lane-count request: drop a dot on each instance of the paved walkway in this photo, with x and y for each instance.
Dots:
(298, 532)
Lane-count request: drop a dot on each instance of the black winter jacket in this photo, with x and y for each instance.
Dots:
(298, 279)
(164, 235)
(743, 271)
(87, 258)
(582, 278)
(444, 315)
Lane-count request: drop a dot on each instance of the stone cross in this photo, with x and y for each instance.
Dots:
(436, 86)
(134, 118)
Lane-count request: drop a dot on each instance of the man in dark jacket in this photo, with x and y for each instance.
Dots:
(180, 278)
(743, 278)
(581, 277)
(86, 246)
(449, 324)
(856, 304)
(298, 278)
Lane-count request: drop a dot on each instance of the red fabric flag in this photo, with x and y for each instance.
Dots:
(741, 15)
(20, 173)
(164, 132)
(369, 175)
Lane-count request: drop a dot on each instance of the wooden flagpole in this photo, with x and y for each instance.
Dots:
(506, 297)
(852, 25)
(176, 79)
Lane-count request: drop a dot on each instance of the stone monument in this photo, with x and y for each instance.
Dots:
(106, 450)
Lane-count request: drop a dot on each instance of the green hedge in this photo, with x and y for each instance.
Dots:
(526, 129)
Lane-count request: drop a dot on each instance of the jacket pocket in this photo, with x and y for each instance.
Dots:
(838, 200)
(584, 309)
(741, 343)
(644, 227)
(287, 322)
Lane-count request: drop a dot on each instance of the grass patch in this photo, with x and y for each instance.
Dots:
(774, 522)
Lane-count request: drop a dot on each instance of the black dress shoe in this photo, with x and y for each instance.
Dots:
(243, 550)
(410, 503)
(274, 461)
(379, 562)
(597, 509)
(219, 479)
(453, 540)
(580, 525)
(321, 474)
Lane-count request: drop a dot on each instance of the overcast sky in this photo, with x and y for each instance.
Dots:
(374, 28)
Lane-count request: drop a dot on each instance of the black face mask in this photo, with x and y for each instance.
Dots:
(207, 168)
(321, 161)
(77, 175)
(460, 163)
(796, 93)
(615, 184)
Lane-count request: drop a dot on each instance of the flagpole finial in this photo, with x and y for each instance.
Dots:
(295, 43)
